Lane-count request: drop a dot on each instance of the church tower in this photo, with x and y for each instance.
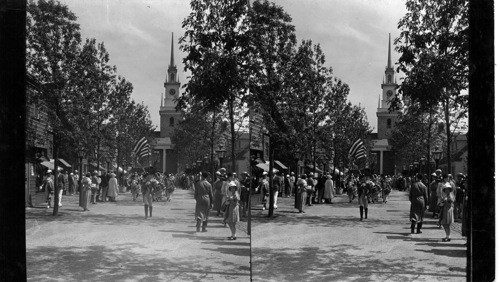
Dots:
(166, 159)
(169, 117)
(386, 120)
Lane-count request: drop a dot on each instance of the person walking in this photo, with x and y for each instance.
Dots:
(112, 189)
(277, 187)
(460, 196)
(134, 187)
(264, 190)
(433, 199)
(245, 193)
(147, 189)
(292, 184)
(66, 183)
(217, 204)
(233, 210)
(418, 199)
(301, 194)
(204, 202)
(48, 186)
(93, 187)
(104, 186)
(328, 190)
(320, 188)
(363, 193)
(71, 184)
(86, 190)
(60, 186)
(447, 217)
(310, 189)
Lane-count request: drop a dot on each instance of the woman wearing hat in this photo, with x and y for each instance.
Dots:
(433, 200)
(233, 210)
(301, 194)
(112, 187)
(448, 201)
(86, 190)
(218, 193)
(329, 190)
(418, 199)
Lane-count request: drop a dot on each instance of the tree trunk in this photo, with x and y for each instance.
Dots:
(233, 134)
(212, 149)
(56, 175)
(271, 177)
(448, 133)
(429, 153)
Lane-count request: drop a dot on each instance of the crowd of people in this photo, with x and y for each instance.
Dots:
(228, 198)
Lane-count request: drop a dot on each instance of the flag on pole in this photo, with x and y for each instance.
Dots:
(141, 148)
(357, 150)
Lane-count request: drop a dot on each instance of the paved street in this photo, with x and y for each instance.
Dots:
(329, 243)
(113, 242)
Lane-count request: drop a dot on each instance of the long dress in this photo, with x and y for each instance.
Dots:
(363, 192)
(433, 201)
(86, 181)
(447, 216)
(418, 199)
(203, 196)
(113, 187)
(301, 197)
(218, 195)
(233, 210)
(329, 191)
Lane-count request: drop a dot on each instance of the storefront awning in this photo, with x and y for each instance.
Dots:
(265, 167)
(48, 165)
(280, 165)
(64, 163)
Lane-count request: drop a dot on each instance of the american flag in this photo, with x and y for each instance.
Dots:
(357, 150)
(141, 148)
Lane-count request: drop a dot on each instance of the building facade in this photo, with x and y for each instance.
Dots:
(39, 145)
(165, 158)
(386, 120)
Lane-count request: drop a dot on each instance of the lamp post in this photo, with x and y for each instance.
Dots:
(205, 162)
(221, 152)
(436, 155)
(416, 167)
(81, 154)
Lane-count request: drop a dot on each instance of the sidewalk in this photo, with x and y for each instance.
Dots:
(113, 242)
(329, 243)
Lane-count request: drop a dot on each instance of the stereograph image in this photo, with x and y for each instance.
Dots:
(246, 140)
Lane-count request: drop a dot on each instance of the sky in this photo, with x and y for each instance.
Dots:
(137, 34)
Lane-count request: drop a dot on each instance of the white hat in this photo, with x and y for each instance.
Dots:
(49, 171)
(232, 184)
(447, 186)
(264, 173)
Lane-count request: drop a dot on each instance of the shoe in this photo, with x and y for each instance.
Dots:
(204, 230)
(446, 239)
(419, 232)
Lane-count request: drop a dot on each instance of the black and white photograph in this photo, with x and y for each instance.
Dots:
(252, 140)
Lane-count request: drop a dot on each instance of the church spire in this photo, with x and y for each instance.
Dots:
(172, 52)
(389, 64)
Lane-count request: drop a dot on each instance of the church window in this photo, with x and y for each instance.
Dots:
(172, 77)
(171, 121)
(389, 78)
(389, 123)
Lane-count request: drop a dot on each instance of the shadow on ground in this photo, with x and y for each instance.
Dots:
(100, 263)
(338, 263)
